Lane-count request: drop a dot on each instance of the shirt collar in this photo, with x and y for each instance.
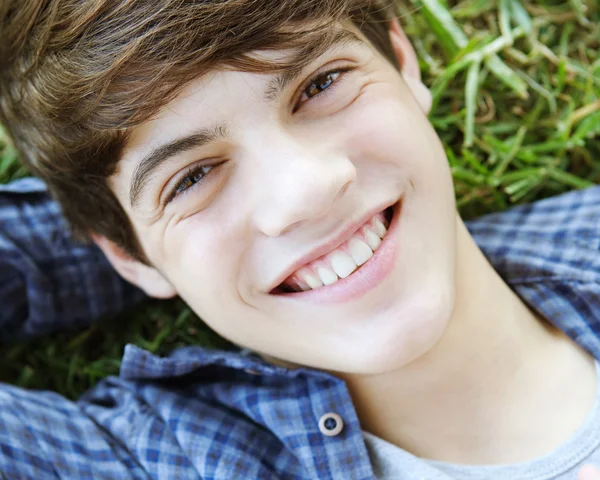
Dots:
(141, 364)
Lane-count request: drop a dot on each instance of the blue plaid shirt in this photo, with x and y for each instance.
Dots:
(213, 414)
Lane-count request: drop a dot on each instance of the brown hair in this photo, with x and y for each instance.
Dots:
(76, 75)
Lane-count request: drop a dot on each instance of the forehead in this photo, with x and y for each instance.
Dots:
(212, 90)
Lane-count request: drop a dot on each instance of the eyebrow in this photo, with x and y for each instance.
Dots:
(279, 83)
(159, 155)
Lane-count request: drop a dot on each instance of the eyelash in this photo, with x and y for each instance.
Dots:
(194, 170)
(314, 80)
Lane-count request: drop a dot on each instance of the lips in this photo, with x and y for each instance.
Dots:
(342, 261)
(319, 261)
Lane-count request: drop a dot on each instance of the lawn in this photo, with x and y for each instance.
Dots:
(516, 90)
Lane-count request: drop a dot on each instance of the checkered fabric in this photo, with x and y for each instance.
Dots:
(210, 414)
(48, 281)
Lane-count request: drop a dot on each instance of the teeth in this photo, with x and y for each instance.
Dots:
(298, 286)
(379, 227)
(327, 276)
(343, 261)
(372, 239)
(311, 280)
(359, 251)
(342, 264)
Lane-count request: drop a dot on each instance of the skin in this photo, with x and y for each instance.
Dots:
(289, 180)
(588, 472)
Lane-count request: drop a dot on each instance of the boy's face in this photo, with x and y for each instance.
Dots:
(259, 178)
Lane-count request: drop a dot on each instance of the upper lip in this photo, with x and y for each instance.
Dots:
(331, 244)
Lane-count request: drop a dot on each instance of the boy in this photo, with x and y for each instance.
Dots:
(274, 167)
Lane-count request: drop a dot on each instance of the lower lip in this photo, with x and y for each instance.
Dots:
(366, 278)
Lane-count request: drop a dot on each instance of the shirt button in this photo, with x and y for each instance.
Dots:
(331, 424)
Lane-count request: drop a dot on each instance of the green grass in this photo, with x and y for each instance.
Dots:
(516, 103)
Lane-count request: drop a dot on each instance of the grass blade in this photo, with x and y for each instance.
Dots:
(471, 89)
(449, 33)
(507, 75)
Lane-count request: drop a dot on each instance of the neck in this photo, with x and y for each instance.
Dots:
(501, 386)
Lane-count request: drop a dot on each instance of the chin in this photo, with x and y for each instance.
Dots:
(400, 338)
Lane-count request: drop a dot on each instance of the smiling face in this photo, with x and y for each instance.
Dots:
(248, 189)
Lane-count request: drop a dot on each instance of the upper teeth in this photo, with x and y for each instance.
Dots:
(342, 261)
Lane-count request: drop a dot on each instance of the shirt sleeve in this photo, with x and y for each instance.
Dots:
(47, 280)
(46, 436)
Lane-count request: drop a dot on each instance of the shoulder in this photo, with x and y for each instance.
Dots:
(555, 238)
(549, 253)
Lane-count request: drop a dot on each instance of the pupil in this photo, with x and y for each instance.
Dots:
(190, 181)
(187, 183)
(320, 85)
(326, 83)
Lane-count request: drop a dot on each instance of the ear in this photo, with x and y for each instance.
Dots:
(409, 64)
(149, 279)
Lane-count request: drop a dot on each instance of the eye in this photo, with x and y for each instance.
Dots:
(191, 178)
(318, 84)
(322, 82)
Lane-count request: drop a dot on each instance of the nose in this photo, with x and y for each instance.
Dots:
(303, 184)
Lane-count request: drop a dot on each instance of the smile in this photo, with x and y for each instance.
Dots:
(341, 262)
(354, 267)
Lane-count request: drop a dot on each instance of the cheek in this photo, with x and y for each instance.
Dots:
(389, 127)
(202, 263)
(206, 274)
